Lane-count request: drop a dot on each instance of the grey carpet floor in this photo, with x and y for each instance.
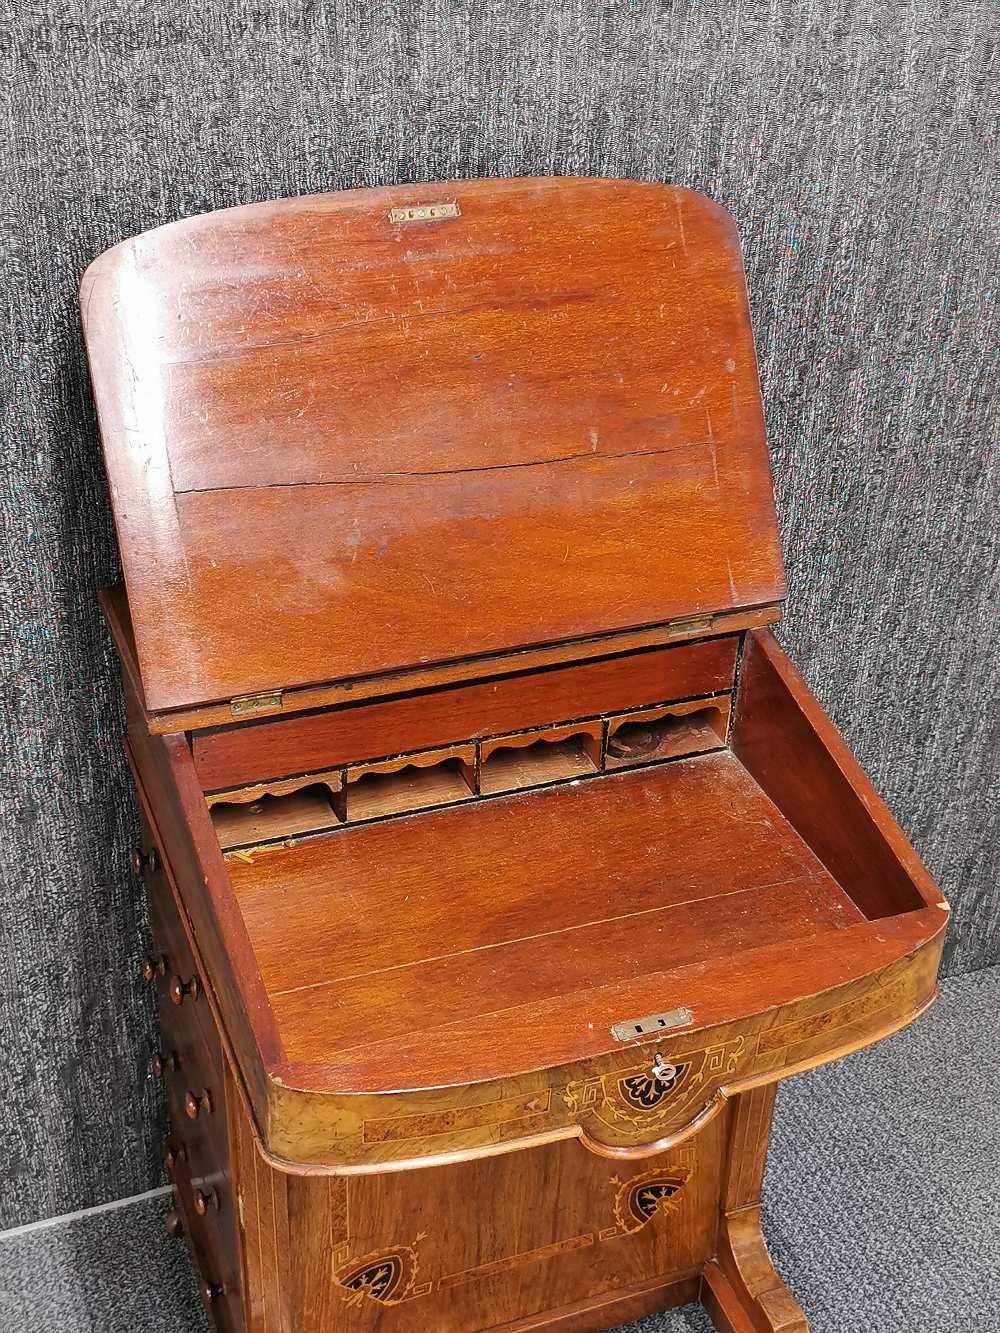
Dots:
(882, 1193)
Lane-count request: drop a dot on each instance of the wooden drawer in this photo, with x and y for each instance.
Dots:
(212, 1236)
(191, 1063)
(190, 1050)
(196, 1096)
(178, 981)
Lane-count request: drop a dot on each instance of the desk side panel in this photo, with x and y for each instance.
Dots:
(175, 811)
(794, 752)
(542, 1236)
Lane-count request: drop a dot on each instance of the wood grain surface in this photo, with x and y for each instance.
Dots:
(340, 445)
(475, 910)
(800, 759)
(416, 721)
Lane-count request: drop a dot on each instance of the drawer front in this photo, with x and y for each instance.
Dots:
(474, 1245)
(195, 1096)
(178, 983)
(653, 1093)
(191, 1063)
(212, 1235)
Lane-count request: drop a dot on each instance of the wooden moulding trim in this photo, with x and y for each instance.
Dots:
(303, 698)
(743, 1281)
(633, 1152)
(465, 754)
(591, 725)
(222, 901)
(724, 1306)
(332, 778)
(521, 740)
(704, 1116)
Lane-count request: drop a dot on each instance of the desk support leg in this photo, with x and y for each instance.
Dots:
(740, 1289)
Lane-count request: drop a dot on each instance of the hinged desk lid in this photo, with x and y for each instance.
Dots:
(358, 432)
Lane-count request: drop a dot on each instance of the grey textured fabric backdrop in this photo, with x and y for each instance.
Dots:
(854, 144)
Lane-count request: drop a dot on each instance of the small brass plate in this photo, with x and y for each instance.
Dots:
(642, 1027)
(424, 213)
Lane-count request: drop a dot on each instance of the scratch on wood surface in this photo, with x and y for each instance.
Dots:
(387, 318)
(376, 477)
(680, 224)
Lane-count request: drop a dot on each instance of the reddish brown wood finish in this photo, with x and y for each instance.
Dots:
(792, 749)
(549, 1238)
(388, 684)
(198, 1149)
(348, 734)
(340, 445)
(475, 910)
(481, 469)
(177, 814)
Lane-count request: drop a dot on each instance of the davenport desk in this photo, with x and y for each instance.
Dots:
(499, 863)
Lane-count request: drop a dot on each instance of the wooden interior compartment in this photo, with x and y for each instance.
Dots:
(358, 732)
(513, 904)
(798, 757)
(534, 758)
(310, 808)
(412, 782)
(667, 733)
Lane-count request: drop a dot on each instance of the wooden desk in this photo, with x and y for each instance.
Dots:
(499, 862)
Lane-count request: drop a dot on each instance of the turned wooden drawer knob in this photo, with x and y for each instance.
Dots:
(154, 966)
(196, 1104)
(212, 1291)
(173, 1224)
(143, 861)
(205, 1199)
(174, 1157)
(178, 990)
(162, 1064)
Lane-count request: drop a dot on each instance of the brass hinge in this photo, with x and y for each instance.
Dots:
(691, 624)
(425, 212)
(248, 704)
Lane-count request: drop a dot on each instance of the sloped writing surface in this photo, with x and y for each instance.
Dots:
(339, 444)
